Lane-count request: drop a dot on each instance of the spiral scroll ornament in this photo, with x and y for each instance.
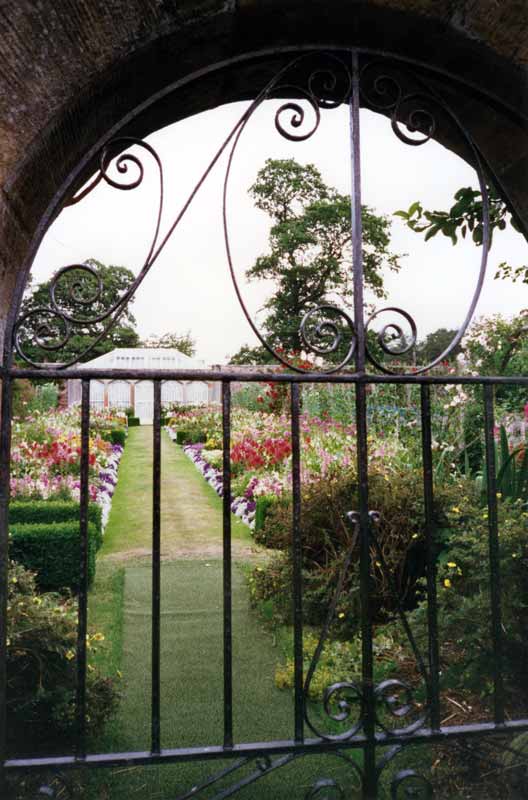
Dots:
(325, 789)
(395, 700)
(325, 87)
(76, 294)
(409, 784)
(326, 330)
(410, 112)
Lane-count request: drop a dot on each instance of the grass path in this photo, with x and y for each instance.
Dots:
(191, 637)
(191, 522)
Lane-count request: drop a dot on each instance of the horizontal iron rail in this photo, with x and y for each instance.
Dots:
(263, 749)
(256, 377)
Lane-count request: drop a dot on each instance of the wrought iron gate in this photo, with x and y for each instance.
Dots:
(310, 84)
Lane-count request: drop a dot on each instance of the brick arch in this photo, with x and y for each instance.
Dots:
(73, 73)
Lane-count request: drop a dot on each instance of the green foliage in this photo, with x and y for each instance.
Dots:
(42, 672)
(327, 536)
(30, 397)
(183, 342)
(118, 436)
(24, 512)
(339, 661)
(190, 436)
(309, 257)
(511, 470)
(263, 504)
(247, 356)
(434, 345)
(115, 281)
(466, 217)
(52, 551)
(133, 422)
(464, 603)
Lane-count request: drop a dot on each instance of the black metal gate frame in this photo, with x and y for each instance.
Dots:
(323, 330)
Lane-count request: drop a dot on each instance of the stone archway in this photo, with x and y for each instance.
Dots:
(72, 75)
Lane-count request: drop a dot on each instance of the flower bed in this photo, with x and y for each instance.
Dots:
(261, 452)
(46, 457)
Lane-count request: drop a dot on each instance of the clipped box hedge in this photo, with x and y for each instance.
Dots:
(52, 550)
(263, 504)
(133, 422)
(46, 511)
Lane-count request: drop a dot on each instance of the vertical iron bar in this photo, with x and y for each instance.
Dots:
(156, 570)
(356, 218)
(370, 783)
(5, 468)
(227, 568)
(494, 557)
(297, 564)
(82, 601)
(430, 540)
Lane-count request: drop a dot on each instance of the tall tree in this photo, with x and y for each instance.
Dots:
(183, 342)
(115, 280)
(310, 247)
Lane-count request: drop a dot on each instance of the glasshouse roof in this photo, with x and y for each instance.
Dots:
(144, 358)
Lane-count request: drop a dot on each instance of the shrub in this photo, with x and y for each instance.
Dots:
(190, 437)
(118, 436)
(45, 511)
(464, 607)
(326, 537)
(339, 661)
(41, 668)
(133, 422)
(52, 551)
(264, 503)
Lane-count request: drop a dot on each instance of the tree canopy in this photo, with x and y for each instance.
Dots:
(309, 259)
(115, 280)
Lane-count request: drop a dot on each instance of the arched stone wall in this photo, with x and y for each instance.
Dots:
(71, 72)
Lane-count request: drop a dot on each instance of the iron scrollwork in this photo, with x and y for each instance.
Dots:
(419, 111)
(79, 286)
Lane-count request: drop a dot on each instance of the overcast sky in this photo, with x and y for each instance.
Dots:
(189, 287)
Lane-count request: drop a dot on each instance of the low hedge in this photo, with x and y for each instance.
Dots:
(133, 422)
(263, 504)
(118, 436)
(52, 551)
(190, 437)
(46, 511)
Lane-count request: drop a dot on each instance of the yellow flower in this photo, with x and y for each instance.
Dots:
(455, 510)
(415, 536)
(447, 583)
(451, 564)
(70, 654)
(499, 495)
(341, 615)
(98, 637)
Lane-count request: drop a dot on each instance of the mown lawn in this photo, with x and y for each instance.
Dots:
(191, 622)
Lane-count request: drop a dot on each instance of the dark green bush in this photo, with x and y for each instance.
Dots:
(327, 536)
(190, 437)
(263, 504)
(52, 550)
(118, 436)
(133, 422)
(41, 669)
(464, 606)
(46, 511)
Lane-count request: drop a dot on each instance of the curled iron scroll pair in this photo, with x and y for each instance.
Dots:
(344, 702)
(76, 293)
